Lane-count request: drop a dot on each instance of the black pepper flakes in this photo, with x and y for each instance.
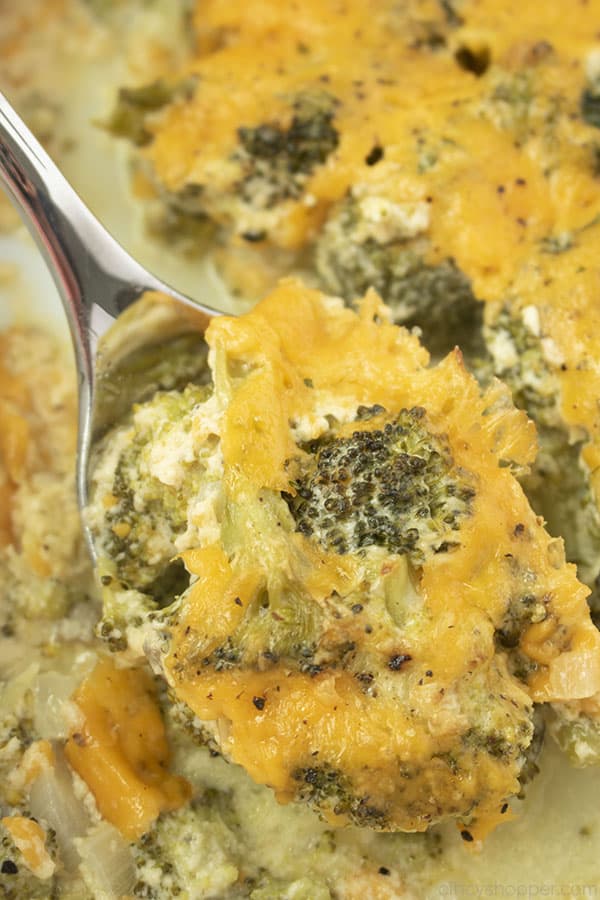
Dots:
(9, 867)
(254, 237)
(365, 678)
(466, 836)
(383, 870)
(238, 602)
(357, 608)
(504, 808)
(259, 702)
(374, 155)
(396, 662)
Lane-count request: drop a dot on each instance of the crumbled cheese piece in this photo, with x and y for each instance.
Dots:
(503, 350)
(592, 65)
(383, 220)
(531, 319)
(552, 352)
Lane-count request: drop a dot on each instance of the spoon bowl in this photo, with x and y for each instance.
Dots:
(120, 315)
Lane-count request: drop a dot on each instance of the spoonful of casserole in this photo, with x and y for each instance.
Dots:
(315, 537)
(325, 552)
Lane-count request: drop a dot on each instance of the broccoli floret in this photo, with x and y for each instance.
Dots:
(590, 105)
(530, 766)
(350, 258)
(577, 734)
(393, 487)
(16, 880)
(187, 230)
(558, 485)
(509, 104)
(520, 612)
(513, 341)
(182, 721)
(276, 159)
(171, 859)
(327, 789)
(559, 490)
(134, 105)
(144, 515)
(17, 732)
(169, 365)
(285, 623)
(589, 101)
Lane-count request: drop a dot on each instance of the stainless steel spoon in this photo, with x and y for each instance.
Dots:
(97, 282)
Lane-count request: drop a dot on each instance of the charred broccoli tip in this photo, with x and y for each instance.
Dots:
(392, 487)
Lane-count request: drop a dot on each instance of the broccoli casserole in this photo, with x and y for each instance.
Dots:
(444, 153)
(332, 651)
(373, 606)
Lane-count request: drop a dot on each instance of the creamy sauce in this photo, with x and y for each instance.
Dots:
(553, 845)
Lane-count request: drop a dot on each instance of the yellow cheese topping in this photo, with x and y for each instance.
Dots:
(121, 751)
(394, 92)
(38, 758)
(476, 113)
(273, 719)
(30, 839)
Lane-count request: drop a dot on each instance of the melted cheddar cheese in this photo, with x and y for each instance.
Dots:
(121, 751)
(395, 703)
(393, 91)
(30, 839)
(463, 127)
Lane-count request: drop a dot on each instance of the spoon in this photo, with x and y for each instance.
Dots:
(115, 308)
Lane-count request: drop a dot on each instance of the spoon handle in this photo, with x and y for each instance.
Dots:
(95, 277)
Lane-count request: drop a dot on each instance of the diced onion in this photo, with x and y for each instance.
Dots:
(106, 862)
(55, 715)
(575, 675)
(52, 799)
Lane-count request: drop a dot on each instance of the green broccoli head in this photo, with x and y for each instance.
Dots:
(559, 489)
(394, 486)
(169, 858)
(134, 105)
(326, 788)
(577, 734)
(134, 533)
(589, 101)
(276, 159)
(350, 259)
(514, 344)
(16, 880)
(558, 486)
